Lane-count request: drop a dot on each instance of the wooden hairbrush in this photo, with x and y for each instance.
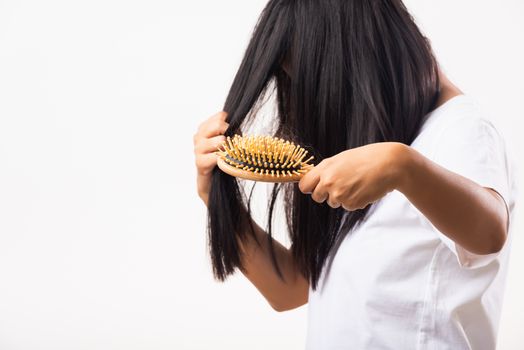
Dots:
(263, 158)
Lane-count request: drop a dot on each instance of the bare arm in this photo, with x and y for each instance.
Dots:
(258, 269)
(473, 216)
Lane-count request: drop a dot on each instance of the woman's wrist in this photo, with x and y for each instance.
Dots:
(406, 166)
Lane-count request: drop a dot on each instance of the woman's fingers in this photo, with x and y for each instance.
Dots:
(221, 115)
(207, 145)
(209, 135)
(206, 158)
(215, 125)
(212, 128)
(319, 195)
(309, 184)
(309, 181)
(332, 203)
(205, 163)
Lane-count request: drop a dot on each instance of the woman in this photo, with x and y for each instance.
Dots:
(399, 235)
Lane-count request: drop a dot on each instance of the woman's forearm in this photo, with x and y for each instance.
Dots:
(257, 267)
(473, 216)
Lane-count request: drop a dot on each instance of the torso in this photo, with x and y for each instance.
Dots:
(394, 284)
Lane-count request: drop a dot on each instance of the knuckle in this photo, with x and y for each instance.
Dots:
(202, 166)
(328, 180)
(363, 205)
(325, 161)
(198, 162)
(349, 205)
(198, 147)
(302, 184)
(217, 125)
(219, 141)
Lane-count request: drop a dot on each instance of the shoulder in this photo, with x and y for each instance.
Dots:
(461, 137)
(458, 120)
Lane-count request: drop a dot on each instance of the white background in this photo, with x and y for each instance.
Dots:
(102, 242)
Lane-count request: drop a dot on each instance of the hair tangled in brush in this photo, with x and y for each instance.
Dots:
(357, 72)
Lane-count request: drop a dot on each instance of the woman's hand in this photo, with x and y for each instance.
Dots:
(208, 136)
(356, 177)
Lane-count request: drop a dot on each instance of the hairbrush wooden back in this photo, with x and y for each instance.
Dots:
(263, 158)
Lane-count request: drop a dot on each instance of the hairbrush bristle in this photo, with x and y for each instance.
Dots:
(263, 158)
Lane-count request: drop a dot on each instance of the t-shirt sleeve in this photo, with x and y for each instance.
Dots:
(472, 147)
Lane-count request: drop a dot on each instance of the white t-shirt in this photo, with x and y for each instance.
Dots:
(395, 281)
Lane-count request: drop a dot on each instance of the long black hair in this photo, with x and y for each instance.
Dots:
(358, 72)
